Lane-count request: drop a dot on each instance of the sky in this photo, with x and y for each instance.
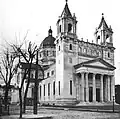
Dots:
(36, 16)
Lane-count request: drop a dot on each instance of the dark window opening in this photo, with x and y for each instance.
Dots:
(54, 53)
(60, 28)
(70, 87)
(54, 88)
(44, 89)
(69, 27)
(59, 48)
(52, 73)
(47, 52)
(48, 89)
(70, 47)
(40, 91)
(98, 37)
(59, 87)
(108, 54)
(48, 74)
(32, 75)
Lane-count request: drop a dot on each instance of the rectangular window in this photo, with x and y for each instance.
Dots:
(52, 73)
(54, 88)
(40, 91)
(48, 89)
(70, 87)
(48, 74)
(44, 89)
(59, 87)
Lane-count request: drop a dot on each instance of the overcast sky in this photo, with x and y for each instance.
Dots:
(18, 16)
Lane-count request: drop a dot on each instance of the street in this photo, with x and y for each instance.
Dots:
(66, 114)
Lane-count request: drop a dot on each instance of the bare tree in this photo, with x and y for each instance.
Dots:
(28, 56)
(8, 68)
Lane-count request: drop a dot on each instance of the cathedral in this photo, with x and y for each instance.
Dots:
(76, 71)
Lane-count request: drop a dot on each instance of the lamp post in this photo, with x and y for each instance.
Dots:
(113, 103)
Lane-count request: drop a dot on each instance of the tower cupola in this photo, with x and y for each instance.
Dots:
(103, 33)
(66, 24)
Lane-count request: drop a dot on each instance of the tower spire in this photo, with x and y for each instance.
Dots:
(66, 1)
(102, 14)
(50, 31)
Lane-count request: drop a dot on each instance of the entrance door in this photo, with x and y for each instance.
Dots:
(90, 94)
(98, 94)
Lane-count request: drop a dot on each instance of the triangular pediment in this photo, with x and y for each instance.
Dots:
(96, 63)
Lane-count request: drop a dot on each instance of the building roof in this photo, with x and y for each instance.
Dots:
(89, 63)
(24, 65)
(66, 11)
(49, 40)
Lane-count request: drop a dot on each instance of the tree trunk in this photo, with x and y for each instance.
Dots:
(25, 96)
(20, 97)
(6, 97)
(36, 87)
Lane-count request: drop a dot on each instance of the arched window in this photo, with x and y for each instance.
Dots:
(69, 27)
(70, 46)
(60, 28)
(108, 55)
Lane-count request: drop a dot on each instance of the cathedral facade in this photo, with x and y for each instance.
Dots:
(76, 71)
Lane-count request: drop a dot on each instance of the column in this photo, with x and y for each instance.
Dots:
(87, 88)
(101, 88)
(94, 89)
(112, 87)
(77, 88)
(108, 87)
(82, 86)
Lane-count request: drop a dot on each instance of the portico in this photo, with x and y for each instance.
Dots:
(94, 84)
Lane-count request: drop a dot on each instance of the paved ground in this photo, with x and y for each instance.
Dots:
(68, 114)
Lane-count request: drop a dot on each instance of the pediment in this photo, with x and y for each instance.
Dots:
(96, 63)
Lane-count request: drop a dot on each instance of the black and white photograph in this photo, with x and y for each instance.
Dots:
(59, 59)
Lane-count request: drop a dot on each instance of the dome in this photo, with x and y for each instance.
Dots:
(49, 40)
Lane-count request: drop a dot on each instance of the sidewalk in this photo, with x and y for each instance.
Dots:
(29, 116)
(82, 109)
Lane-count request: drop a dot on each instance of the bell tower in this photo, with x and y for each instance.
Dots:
(66, 24)
(65, 55)
(103, 33)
